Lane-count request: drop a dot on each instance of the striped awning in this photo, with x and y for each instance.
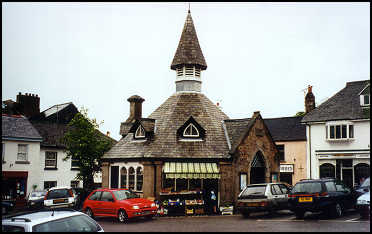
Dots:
(191, 170)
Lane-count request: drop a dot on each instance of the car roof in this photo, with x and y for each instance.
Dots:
(317, 180)
(110, 189)
(38, 217)
(63, 187)
(264, 184)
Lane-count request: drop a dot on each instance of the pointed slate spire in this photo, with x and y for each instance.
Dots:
(189, 51)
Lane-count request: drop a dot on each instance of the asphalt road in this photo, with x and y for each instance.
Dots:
(282, 221)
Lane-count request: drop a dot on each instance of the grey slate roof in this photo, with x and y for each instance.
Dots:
(281, 129)
(188, 50)
(344, 105)
(170, 116)
(18, 127)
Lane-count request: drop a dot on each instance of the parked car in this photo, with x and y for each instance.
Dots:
(60, 197)
(35, 199)
(263, 197)
(362, 205)
(363, 187)
(58, 220)
(7, 206)
(326, 195)
(120, 203)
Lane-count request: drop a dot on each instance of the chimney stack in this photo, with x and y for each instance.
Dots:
(135, 107)
(309, 100)
(29, 103)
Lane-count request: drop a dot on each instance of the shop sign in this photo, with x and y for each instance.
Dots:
(286, 168)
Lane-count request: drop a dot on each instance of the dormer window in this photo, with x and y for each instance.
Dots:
(140, 132)
(191, 131)
(364, 100)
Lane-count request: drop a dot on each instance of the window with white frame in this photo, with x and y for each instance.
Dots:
(74, 162)
(139, 180)
(131, 180)
(140, 132)
(365, 100)
(22, 152)
(50, 159)
(191, 131)
(342, 131)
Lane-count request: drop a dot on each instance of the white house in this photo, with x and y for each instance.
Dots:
(338, 135)
(20, 158)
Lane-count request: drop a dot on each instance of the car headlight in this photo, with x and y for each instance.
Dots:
(153, 204)
(135, 207)
(362, 202)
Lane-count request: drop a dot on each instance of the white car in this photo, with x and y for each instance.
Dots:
(58, 220)
(60, 197)
(363, 206)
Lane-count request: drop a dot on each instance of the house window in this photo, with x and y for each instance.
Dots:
(366, 100)
(140, 132)
(132, 175)
(50, 159)
(281, 152)
(74, 183)
(123, 179)
(139, 175)
(339, 132)
(74, 162)
(50, 184)
(22, 152)
(191, 131)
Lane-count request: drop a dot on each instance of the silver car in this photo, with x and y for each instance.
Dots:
(59, 220)
(263, 197)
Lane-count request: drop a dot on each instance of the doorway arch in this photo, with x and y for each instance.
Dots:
(258, 169)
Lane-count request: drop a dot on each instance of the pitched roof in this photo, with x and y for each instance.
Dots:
(188, 50)
(344, 105)
(281, 129)
(170, 116)
(18, 127)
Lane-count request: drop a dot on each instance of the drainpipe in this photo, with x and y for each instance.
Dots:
(310, 149)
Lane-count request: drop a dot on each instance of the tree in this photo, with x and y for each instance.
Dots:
(86, 144)
(300, 114)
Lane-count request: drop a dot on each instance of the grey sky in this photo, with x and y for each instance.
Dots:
(260, 56)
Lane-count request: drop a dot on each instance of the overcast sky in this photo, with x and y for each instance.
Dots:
(260, 56)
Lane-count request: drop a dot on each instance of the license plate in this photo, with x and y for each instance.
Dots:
(147, 212)
(253, 204)
(305, 199)
(57, 201)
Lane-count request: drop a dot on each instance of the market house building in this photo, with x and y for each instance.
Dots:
(338, 135)
(188, 146)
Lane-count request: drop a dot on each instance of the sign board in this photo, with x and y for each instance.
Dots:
(286, 168)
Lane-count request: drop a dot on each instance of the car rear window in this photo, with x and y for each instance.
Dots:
(77, 223)
(58, 193)
(312, 187)
(254, 190)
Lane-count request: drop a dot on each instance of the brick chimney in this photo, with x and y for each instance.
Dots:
(29, 103)
(309, 100)
(135, 107)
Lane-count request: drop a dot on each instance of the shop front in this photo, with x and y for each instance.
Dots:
(187, 188)
(14, 187)
(286, 173)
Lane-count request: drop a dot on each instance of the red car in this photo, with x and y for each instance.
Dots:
(120, 203)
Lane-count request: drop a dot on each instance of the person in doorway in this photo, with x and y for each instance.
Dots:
(213, 200)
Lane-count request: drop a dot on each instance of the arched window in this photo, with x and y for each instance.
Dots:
(132, 173)
(191, 131)
(123, 178)
(139, 179)
(140, 132)
(362, 172)
(327, 170)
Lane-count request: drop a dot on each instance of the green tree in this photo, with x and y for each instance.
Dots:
(86, 144)
(300, 113)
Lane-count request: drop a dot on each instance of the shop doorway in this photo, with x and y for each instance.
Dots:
(258, 169)
(114, 177)
(286, 177)
(210, 185)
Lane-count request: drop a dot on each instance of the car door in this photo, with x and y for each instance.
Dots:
(345, 195)
(285, 191)
(94, 202)
(278, 196)
(107, 203)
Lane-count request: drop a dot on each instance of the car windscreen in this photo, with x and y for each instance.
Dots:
(258, 190)
(58, 193)
(77, 223)
(124, 194)
(313, 187)
(365, 183)
(38, 194)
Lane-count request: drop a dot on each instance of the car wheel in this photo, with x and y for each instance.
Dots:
(300, 214)
(89, 212)
(336, 211)
(122, 216)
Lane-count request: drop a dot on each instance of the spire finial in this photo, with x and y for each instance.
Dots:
(189, 7)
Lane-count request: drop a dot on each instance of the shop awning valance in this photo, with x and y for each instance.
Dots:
(191, 170)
